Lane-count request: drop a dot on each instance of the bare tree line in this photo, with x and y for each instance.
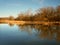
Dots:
(42, 14)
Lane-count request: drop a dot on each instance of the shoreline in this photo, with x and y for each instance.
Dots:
(29, 22)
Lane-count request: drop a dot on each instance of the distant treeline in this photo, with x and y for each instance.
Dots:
(42, 14)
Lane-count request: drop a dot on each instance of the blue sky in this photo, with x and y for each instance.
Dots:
(14, 7)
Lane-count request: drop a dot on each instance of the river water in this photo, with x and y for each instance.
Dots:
(29, 34)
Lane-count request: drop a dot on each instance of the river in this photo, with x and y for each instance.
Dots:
(12, 34)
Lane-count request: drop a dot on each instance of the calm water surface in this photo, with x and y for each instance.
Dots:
(29, 34)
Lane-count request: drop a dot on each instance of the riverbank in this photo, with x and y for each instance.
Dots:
(29, 22)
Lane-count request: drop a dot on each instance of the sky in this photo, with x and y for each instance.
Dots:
(14, 7)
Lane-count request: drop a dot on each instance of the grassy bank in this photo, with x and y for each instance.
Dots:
(29, 22)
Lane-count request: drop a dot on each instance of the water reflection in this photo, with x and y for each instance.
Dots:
(43, 31)
(10, 24)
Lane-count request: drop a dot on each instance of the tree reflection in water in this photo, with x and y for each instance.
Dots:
(10, 24)
(44, 32)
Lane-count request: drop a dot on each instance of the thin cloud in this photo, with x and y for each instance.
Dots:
(38, 1)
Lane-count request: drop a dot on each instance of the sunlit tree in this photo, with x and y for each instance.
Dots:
(11, 18)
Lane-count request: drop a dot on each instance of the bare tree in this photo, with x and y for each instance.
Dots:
(11, 18)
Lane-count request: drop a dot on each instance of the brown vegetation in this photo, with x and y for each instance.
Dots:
(42, 14)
